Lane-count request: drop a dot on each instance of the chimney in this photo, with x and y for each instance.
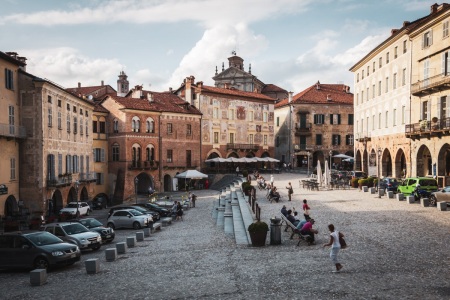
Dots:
(227, 85)
(200, 84)
(329, 98)
(79, 84)
(188, 89)
(290, 97)
(103, 83)
(318, 85)
(347, 89)
(434, 8)
(406, 23)
(150, 97)
(23, 60)
(394, 31)
(170, 89)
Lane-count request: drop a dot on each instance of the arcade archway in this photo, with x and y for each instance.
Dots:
(423, 161)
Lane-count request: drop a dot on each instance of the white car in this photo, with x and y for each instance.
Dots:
(71, 209)
(128, 218)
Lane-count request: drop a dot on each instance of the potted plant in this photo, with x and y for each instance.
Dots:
(355, 182)
(434, 119)
(258, 233)
(246, 187)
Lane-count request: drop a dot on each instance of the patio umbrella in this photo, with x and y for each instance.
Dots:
(319, 173)
(342, 156)
(351, 159)
(191, 174)
(327, 175)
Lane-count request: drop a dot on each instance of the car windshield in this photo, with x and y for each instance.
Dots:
(71, 205)
(134, 212)
(140, 209)
(74, 229)
(43, 238)
(91, 223)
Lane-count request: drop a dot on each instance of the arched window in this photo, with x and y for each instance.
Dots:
(136, 155)
(150, 153)
(115, 152)
(136, 124)
(116, 126)
(150, 126)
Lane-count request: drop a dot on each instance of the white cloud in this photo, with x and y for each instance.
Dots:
(67, 66)
(149, 80)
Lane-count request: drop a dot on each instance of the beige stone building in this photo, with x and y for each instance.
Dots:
(313, 125)
(56, 156)
(429, 129)
(11, 133)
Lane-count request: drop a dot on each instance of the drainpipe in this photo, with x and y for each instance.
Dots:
(160, 153)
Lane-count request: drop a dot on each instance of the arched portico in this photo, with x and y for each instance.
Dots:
(423, 161)
(386, 164)
(400, 164)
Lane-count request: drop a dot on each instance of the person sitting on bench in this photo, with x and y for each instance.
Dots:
(291, 218)
(274, 195)
(308, 230)
(284, 210)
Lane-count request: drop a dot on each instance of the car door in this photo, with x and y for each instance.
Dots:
(443, 195)
(59, 232)
(23, 252)
(119, 218)
(411, 186)
(6, 250)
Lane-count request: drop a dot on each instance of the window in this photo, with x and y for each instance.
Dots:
(395, 52)
(11, 118)
(362, 97)
(75, 125)
(335, 119)
(250, 138)
(403, 114)
(94, 126)
(367, 94)
(444, 29)
(116, 126)
(74, 109)
(189, 157)
(386, 121)
(380, 62)
(445, 64)
(150, 153)
(87, 128)
(278, 121)
(81, 126)
(215, 112)
(387, 57)
(169, 155)
(350, 119)
(9, 79)
(394, 81)
(442, 107)
(68, 164)
(387, 84)
(231, 140)
(265, 139)
(59, 103)
(405, 46)
(373, 122)
(68, 122)
(373, 67)
(336, 139)
(12, 174)
(49, 99)
(150, 126)
(319, 119)
(357, 98)
(216, 137)
(68, 106)
(379, 88)
(169, 128)
(81, 111)
(99, 178)
(188, 129)
(427, 39)
(368, 70)
(50, 116)
(115, 152)
(75, 166)
(394, 120)
(60, 171)
(379, 120)
(59, 120)
(357, 77)
(349, 139)
(265, 119)
(404, 77)
(251, 116)
(425, 109)
(231, 114)
(362, 74)
(373, 91)
(81, 164)
(99, 155)
(318, 139)
(103, 127)
(135, 124)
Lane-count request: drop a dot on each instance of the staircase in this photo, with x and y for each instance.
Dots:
(224, 182)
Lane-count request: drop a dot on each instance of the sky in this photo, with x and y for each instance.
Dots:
(289, 43)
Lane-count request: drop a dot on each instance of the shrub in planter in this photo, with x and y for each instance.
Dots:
(246, 187)
(354, 182)
(361, 182)
(370, 181)
(258, 233)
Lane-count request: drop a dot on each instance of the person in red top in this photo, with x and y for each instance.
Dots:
(308, 230)
(306, 210)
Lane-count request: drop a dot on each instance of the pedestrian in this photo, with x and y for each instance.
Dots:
(290, 191)
(284, 210)
(150, 191)
(271, 180)
(335, 247)
(306, 209)
(206, 184)
(174, 208)
(179, 211)
(194, 197)
(237, 171)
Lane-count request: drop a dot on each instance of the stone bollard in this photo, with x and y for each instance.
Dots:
(390, 194)
(400, 197)
(425, 202)
(38, 277)
(147, 232)
(365, 188)
(166, 222)
(92, 265)
(372, 190)
(140, 236)
(410, 199)
(121, 247)
(131, 241)
(380, 192)
(111, 254)
(442, 206)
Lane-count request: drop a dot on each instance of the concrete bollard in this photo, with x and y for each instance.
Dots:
(111, 254)
(372, 190)
(147, 232)
(121, 248)
(365, 188)
(410, 199)
(92, 265)
(442, 206)
(140, 236)
(166, 222)
(380, 192)
(400, 197)
(38, 277)
(131, 241)
(425, 202)
(390, 194)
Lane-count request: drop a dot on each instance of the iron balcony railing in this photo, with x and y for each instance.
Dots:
(86, 177)
(60, 181)
(426, 127)
(427, 86)
(13, 131)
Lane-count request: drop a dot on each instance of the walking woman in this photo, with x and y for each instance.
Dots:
(179, 211)
(335, 247)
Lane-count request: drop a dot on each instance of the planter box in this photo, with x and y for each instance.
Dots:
(258, 238)
(365, 188)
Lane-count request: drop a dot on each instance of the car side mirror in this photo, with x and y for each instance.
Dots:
(129, 216)
(26, 247)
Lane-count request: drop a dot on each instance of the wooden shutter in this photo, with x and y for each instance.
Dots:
(102, 155)
(331, 119)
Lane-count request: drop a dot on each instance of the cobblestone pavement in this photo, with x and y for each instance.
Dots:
(396, 251)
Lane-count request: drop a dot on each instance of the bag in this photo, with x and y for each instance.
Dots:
(342, 241)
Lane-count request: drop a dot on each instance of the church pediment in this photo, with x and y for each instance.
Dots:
(231, 73)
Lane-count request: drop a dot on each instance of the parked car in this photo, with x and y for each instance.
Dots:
(442, 195)
(92, 224)
(36, 250)
(408, 185)
(99, 203)
(75, 233)
(155, 215)
(71, 209)
(128, 218)
(389, 184)
(357, 174)
(163, 212)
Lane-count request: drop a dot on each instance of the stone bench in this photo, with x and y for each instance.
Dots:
(38, 277)
(92, 266)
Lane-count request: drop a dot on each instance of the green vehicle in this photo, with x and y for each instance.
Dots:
(408, 185)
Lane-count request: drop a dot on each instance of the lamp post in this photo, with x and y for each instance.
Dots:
(379, 175)
(331, 155)
(136, 181)
(309, 154)
(77, 186)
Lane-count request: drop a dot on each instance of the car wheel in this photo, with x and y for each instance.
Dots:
(433, 200)
(136, 225)
(41, 263)
(111, 225)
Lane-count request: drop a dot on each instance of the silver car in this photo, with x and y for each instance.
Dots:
(128, 218)
(442, 195)
(75, 233)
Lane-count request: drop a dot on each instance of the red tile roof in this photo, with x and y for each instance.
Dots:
(162, 102)
(99, 108)
(336, 92)
(233, 92)
(271, 88)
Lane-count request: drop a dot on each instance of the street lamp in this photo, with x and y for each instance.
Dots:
(309, 154)
(136, 181)
(77, 186)
(331, 155)
(379, 175)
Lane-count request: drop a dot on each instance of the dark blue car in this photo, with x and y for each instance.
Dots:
(389, 184)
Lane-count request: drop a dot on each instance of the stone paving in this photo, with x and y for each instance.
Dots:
(396, 251)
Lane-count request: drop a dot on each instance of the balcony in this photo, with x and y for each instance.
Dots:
(431, 85)
(60, 181)
(87, 177)
(434, 128)
(303, 129)
(13, 131)
(243, 147)
(143, 165)
(363, 137)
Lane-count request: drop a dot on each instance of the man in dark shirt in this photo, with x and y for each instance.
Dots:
(291, 218)
(284, 210)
